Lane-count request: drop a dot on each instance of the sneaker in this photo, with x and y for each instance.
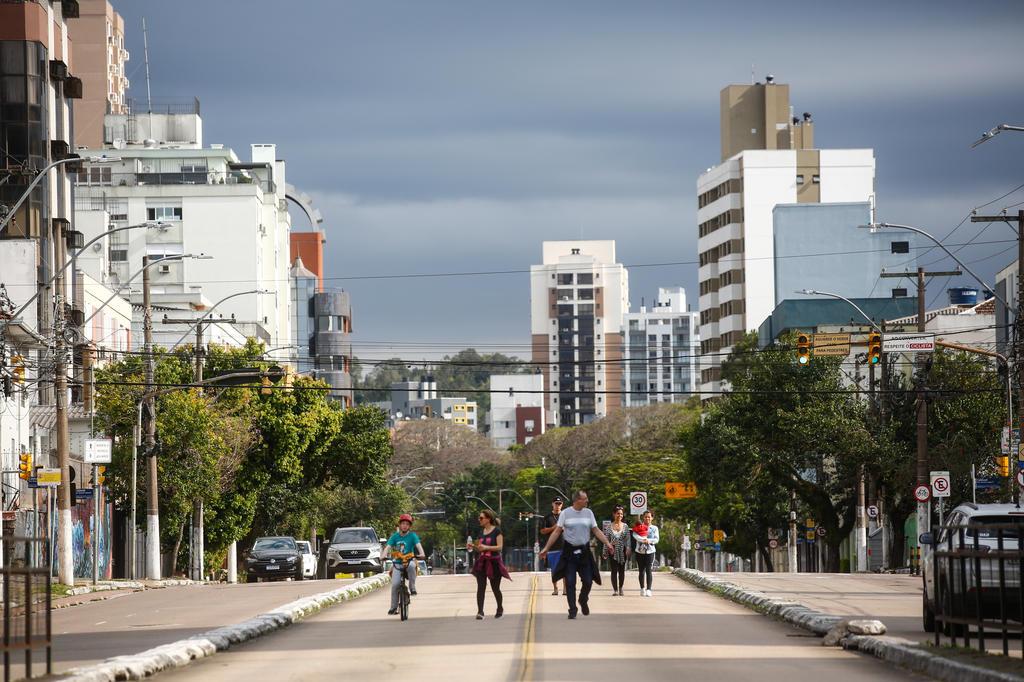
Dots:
(499, 613)
(413, 593)
(648, 593)
(479, 616)
(572, 615)
(555, 593)
(585, 608)
(392, 612)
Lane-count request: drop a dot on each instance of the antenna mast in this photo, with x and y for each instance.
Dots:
(145, 54)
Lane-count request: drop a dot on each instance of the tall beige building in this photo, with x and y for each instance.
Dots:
(100, 57)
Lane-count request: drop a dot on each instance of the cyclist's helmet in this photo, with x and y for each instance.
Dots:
(405, 517)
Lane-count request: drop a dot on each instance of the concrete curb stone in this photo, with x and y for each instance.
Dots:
(900, 652)
(183, 652)
(128, 585)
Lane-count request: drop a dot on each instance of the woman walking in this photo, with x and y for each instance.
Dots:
(645, 537)
(488, 566)
(618, 535)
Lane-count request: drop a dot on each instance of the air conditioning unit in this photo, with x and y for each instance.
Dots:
(164, 269)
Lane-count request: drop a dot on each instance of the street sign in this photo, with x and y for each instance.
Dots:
(718, 546)
(680, 491)
(922, 493)
(821, 531)
(699, 546)
(988, 483)
(33, 482)
(773, 544)
(904, 342)
(810, 535)
(687, 546)
(83, 494)
(48, 477)
(637, 502)
(873, 511)
(719, 535)
(98, 450)
(809, 523)
(1009, 442)
(940, 484)
(1020, 477)
(831, 344)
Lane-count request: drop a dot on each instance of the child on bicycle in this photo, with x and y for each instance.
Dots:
(406, 548)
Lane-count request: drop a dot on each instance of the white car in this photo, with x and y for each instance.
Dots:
(308, 558)
(958, 534)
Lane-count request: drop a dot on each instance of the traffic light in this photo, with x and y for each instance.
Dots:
(25, 466)
(803, 349)
(874, 348)
(18, 369)
(1003, 463)
(265, 385)
(101, 475)
(71, 482)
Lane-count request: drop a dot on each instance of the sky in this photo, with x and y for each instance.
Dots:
(455, 136)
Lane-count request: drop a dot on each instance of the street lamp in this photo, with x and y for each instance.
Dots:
(814, 292)
(565, 498)
(409, 474)
(875, 227)
(213, 307)
(429, 484)
(42, 174)
(986, 136)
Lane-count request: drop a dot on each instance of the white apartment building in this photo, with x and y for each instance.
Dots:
(661, 345)
(209, 202)
(774, 163)
(578, 295)
(517, 409)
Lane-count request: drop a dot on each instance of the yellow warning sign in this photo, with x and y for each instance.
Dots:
(832, 344)
(680, 491)
(719, 535)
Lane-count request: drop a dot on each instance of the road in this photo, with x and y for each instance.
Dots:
(680, 633)
(131, 622)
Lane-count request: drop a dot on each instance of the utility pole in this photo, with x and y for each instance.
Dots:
(791, 545)
(923, 513)
(65, 550)
(1018, 331)
(152, 496)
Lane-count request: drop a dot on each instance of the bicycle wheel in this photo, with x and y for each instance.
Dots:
(403, 601)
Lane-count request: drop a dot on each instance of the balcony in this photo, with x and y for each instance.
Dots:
(335, 343)
(191, 177)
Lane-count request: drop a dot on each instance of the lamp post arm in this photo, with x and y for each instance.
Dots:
(32, 185)
(815, 292)
(210, 312)
(129, 281)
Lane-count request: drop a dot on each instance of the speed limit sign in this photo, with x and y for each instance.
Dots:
(773, 543)
(637, 502)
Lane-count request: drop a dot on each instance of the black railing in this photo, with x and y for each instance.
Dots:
(26, 603)
(976, 583)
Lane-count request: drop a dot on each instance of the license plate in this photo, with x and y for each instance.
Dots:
(273, 567)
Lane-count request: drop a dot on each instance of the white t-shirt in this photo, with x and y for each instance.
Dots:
(576, 525)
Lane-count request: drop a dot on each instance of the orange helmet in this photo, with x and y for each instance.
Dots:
(405, 517)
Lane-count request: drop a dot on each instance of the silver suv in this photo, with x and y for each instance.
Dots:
(353, 550)
(962, 529)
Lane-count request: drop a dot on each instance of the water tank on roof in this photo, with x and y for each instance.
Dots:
(963, 296)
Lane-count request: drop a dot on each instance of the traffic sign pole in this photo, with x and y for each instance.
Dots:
(96, 525)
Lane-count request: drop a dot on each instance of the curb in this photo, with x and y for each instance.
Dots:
(900, 652)
(128, 585)
(185, 651)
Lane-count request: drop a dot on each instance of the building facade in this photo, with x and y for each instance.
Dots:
(413, 400)
(100, 56)
(517, 409)
(661, 345)
(578, 295)
(773, 164)
(1006, 286)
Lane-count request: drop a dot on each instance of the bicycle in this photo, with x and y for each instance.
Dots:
(404, 595)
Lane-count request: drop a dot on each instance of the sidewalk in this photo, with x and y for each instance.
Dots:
(127, 621)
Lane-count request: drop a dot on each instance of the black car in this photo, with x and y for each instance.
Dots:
(273, 558)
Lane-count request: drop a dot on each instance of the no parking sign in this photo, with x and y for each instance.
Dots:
(637, 502)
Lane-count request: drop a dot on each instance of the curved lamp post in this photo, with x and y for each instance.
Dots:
(42, 174)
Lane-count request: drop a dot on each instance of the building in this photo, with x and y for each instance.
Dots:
(205, 201)
(774, 163)
(578, 296)
(810, 314)
(331, 350)
(412, 400)
(661, 345)
(100, 57)
(517, 409)
(966, 323)
(819, 246)
(1007, 288)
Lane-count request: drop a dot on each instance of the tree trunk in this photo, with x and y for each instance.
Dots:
(897, 548)
(177, 548)
(766, 556)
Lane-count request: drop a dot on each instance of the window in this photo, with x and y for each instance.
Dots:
(585, 278)
(586, 294)
(564, 295)
(800, 179)
(565, 278)
(119, 255)
(528, 425)
(163, 213)
(900, 247)
(899, 293)
(816, 179)
(95, 175)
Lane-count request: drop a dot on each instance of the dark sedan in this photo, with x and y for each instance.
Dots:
(274, 558)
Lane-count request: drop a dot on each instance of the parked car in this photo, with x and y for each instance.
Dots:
(273, 558)
(966, 525)
(353, 550)
(308, 558)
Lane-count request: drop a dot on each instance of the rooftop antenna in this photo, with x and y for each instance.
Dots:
(751, 65)
(145, 55)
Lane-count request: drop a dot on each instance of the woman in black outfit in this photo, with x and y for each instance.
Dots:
(488, 566)
(618, 534)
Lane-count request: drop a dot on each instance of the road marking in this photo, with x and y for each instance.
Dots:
(101, 622)
(526, 660)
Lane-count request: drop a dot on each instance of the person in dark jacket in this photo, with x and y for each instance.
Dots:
(575, 525)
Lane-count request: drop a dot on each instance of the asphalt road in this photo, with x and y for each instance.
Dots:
(132, 622)
(679, 633)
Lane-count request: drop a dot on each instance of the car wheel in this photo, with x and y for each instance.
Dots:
(299, 575)
(929, 616)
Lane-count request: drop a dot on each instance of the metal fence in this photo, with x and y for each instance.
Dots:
(976, 584)
(26, 605)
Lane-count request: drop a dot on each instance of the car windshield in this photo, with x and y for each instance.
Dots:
(354, 535)
(303, 547)
(978, 525)
(274, 543)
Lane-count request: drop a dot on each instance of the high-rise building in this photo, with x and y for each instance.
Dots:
(767, 159)
(578, 295)
(661, 345)
(100, 58)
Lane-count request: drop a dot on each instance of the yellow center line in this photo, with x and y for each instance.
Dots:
(526, 659)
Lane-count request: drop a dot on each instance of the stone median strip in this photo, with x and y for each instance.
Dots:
(128, 585)
(850, 634)
(183, 652)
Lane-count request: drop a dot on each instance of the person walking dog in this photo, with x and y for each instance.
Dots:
(576, 524)
(645, 537)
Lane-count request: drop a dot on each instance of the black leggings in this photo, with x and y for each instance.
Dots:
(643, 565)
(481, 590)
(618, 575)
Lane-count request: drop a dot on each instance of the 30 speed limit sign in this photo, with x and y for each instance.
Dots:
(637, 502)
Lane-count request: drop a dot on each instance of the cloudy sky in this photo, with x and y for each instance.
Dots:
(455, 136)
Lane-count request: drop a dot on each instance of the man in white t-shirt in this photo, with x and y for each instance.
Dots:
(575, 525)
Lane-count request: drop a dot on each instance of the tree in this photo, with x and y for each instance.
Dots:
(437, 443)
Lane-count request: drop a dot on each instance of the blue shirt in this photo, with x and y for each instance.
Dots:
(406, 544)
